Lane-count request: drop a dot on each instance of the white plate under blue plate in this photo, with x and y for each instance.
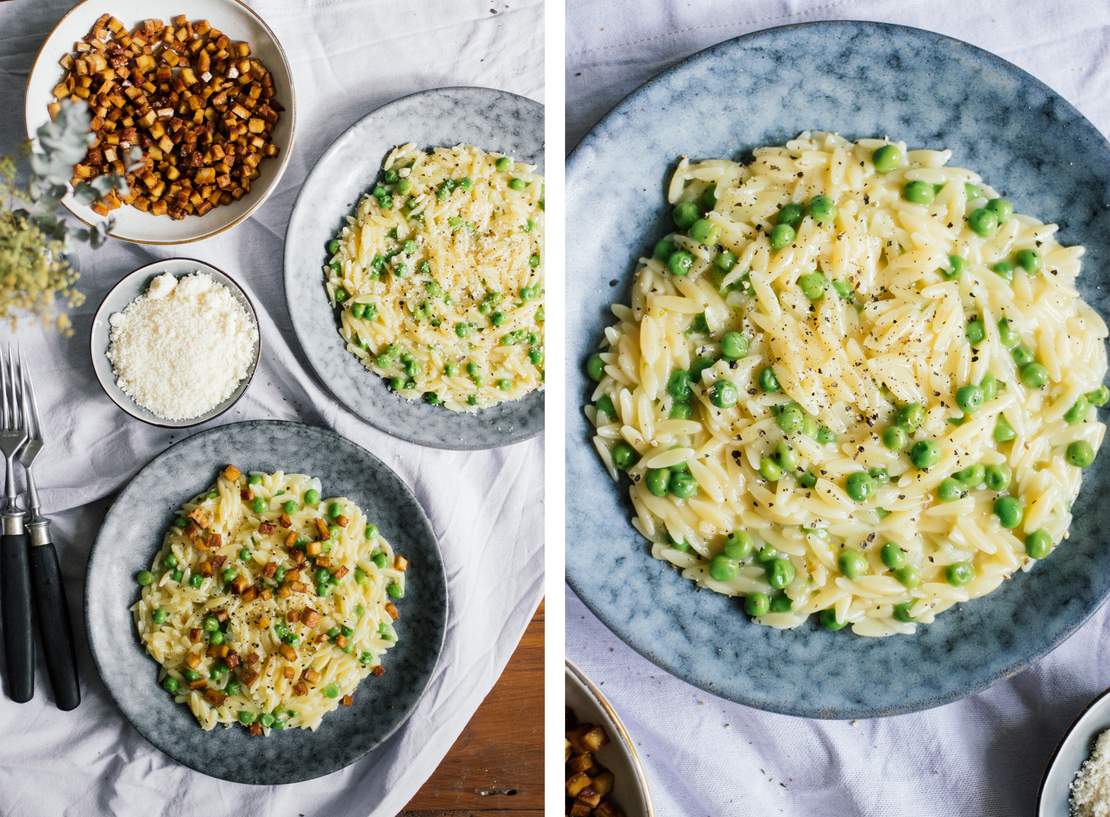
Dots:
(860, 79)
(1073, 750)
(495, 121)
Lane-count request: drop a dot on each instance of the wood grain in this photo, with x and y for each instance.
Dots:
(495, 768)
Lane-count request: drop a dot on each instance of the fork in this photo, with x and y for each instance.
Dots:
(46, 576)
(15, 579)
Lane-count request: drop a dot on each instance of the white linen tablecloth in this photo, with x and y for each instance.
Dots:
(486, 507)
(706, 757)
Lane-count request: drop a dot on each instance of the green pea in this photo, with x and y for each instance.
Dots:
(739, 545)
(972, 476)
(677, 544)
(657, 480)
(757, 604)
(462, 329)
(766, 555)
(704, 231)
(595, 366)
(678, 384)
(190, 674)
(887, 158)
(724, 394)
(159, 616)
(1034, 375)
(983, 222)
(517, 184)
(683, 485)
(893, 556)
(790, 214)
(216, 638)
(624, 455)
(901, 612)
(335, 510)
(781, 603)
(821, 209)
(784, 456)
(1009, 511)
(908, 576)
(975, 332)
(1080, 454)
(1022, 354)
(1003, 431)
(379, 559)
(709, 197)
(1028, 260)
(663, 249)
(910, 416)
(918, 192)
(810, 427)
(229, 574)
(246, 717)
(825, 435)
(813, 285)
(699, 365)
(144, 578)
(726, 261)
(790, 419)
(685, 213)
(895, 438)
(969, 398)
(959, 573)
(1078, 411)
(171, 685)
(177, 575)
(1002, 208)
(770, 470)
(781, 236)
(680, 263)
(258, 504)
(723, 569)
(170, 561)
(780, 572)
(767, 380)
(196, 580)
(1007, 336)
(843, 289)
(604, 405)
(925, 453)
(972, 191)
(989, 386)
(180, 522)
(955, 268)
(1004, 270)
(1099, 397)
(244, 554)
(311, 497)
(395, 590)
(503, 163)
(827, 617)
(807, 480)
(1038, 544)
(951, 489)
(859, 486)
(733, 346)
(852, 563)
(289, 506)
(997, 477)
(680, 411)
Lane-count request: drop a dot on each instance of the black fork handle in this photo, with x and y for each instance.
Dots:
(15, 607)
(53, 617)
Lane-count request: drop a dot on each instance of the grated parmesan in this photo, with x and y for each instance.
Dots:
(1090, 791)
(183, 347)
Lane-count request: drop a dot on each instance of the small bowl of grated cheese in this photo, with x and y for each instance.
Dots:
(175, 343)
(1077, 782)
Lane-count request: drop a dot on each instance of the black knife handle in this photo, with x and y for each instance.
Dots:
(54, 622)
(15, 606)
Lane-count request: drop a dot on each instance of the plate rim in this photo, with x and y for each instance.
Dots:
(241, 388)
(462, 443)
(576, 158)
(442, 639)
(291, 110)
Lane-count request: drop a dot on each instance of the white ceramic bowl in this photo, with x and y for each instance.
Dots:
(630, 789)
(129, 288)
(1073, 750)
(237, 21)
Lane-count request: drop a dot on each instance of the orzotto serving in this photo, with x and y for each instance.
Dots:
(438, 277)
(854, 383)
(267, 605)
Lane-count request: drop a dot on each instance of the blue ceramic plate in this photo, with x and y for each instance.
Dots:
(860, 79)
(495, 121)
(131, 534)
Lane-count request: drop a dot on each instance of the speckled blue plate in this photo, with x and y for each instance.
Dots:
(495, 121)
(860, 79)
(131, 534)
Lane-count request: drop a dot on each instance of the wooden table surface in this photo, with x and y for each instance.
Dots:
(495, 768)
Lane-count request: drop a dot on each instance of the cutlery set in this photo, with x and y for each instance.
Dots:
(29, 571)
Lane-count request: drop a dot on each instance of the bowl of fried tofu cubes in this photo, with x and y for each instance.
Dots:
(191, 116)
(604, 776)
